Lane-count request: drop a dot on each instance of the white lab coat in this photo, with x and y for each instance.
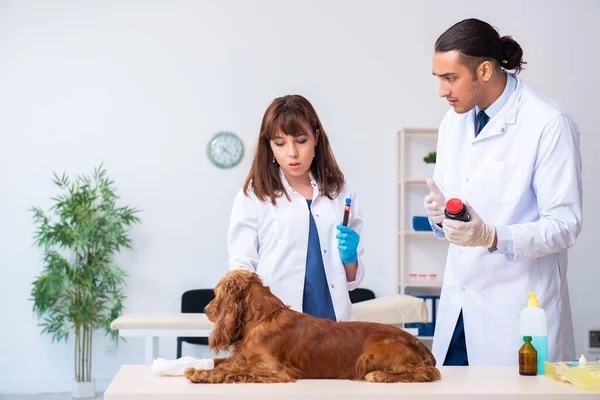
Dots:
(523, 175)
(273, 241)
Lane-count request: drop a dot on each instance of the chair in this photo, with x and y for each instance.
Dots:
(359, 294)
(194, 301)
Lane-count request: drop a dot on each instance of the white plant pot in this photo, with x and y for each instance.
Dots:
(84, 390)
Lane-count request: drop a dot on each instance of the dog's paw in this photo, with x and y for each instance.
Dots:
(379, 376)
(195, 375)
(188, 373)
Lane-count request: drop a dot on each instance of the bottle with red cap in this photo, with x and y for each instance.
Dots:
(455, 209)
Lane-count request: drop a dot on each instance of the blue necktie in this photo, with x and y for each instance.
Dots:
(483, 119)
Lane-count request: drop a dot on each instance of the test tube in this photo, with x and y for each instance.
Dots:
(347, 211)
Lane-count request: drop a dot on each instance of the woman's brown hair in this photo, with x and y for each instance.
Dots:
(291, 115)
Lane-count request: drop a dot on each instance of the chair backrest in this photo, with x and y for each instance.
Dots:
(360, 294)
(194, 301)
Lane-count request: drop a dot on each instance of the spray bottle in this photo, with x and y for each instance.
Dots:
(533, 322)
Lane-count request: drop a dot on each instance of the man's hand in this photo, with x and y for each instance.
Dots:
(434, 203)
(473, 233)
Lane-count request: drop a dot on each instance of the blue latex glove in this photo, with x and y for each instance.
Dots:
(347, 244)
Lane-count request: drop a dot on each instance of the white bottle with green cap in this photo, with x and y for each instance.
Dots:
(533, 322)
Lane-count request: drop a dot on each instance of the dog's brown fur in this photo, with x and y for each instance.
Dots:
(271, 343)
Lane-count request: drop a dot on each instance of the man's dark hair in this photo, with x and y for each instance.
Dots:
(477, 41)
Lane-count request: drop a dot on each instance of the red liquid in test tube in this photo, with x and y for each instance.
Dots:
(347, 211)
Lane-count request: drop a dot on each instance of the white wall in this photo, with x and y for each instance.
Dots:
(143, 85)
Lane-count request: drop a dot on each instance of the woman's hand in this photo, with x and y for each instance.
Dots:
(347, 244)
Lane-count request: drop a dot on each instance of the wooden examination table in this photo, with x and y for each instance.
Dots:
(136, 382)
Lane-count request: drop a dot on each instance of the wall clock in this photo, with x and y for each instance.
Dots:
(225, 150)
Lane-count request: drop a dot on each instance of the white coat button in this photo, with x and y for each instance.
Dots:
(463, 289)
(467, 180)
(325, 251)
(317, 215)
(332, 286)
(502, 130)
(460, 252)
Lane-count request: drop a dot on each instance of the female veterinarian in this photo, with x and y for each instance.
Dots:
(286, 221)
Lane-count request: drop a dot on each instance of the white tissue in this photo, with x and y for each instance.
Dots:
(164, 367)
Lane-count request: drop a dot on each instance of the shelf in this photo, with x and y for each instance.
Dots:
(416, 248)
(434, 283)
(419, 131)
(425, 337)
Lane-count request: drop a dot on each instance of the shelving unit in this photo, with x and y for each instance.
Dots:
(421, 256)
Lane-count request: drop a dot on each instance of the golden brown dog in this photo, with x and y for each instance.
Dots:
(271, 343)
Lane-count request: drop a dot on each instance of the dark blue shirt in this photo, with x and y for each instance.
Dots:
(317, 299)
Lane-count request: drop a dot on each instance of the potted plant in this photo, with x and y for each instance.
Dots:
(430, 161)
(430, 157)
(79, 289)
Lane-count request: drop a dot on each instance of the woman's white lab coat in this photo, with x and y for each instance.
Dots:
(273, 241)
(522, 174)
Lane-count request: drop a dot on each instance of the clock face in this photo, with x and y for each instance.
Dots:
(225, 150)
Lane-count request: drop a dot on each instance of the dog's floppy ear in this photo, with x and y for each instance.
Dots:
(235, 282)
(231, 304)
(228, 325)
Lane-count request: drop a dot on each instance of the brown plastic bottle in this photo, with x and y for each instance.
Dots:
(527, 358)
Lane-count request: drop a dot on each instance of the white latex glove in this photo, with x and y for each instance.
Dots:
(434, 203)
(473, 233)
